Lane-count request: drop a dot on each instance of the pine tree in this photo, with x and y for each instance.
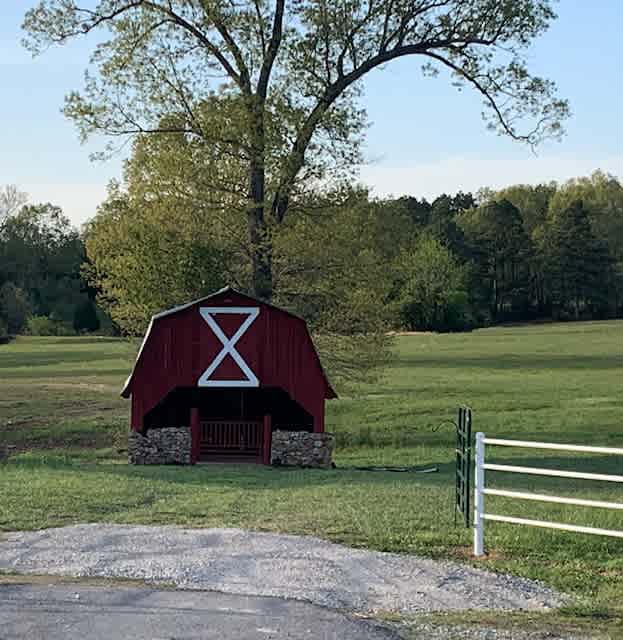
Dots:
(581, 267)
(499, 248)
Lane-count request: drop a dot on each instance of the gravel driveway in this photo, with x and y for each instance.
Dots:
(265, 564)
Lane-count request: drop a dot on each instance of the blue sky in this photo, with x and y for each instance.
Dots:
(424, 138)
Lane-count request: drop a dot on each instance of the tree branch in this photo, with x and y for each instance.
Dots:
(333, 91)
(483, 90)
(174, 17)
(234, 49)
(199, 35)
(273, 49)
(260, 25)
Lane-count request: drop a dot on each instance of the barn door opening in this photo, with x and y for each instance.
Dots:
(230, 440)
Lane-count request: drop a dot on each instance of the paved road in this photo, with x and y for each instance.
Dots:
(74, 611)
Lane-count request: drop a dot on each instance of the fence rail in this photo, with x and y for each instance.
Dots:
(480, 490)
(554, 446)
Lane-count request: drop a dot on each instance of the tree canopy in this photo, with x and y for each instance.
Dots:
(270, 87)
(353, 266)
(41, 257)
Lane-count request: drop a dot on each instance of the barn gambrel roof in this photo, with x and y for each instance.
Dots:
(127, 387)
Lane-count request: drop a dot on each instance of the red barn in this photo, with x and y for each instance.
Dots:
(232, 367)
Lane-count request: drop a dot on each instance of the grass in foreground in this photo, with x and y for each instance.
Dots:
(60, 411)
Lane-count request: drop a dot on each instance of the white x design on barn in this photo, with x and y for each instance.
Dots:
(229, 347)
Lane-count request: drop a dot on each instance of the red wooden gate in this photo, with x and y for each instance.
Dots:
(231, 439)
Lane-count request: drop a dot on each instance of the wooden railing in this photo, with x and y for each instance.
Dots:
(231, 437)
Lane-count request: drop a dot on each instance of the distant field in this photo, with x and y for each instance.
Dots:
(61, 413)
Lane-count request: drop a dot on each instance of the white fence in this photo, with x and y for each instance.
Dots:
(480, 516)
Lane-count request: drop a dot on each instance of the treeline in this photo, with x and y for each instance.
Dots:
(524, 253)
(42, 291)
(349, 264)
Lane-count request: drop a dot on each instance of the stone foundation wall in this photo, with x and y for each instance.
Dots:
(302, 449)
(169, 445)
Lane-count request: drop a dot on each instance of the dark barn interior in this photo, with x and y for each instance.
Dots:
(231, 419)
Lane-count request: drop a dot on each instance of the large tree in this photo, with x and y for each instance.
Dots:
(289, 70)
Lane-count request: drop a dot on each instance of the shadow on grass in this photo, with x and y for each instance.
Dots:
(238, 476)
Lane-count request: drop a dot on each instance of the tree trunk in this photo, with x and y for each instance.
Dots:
(495, 293)
(260, 241)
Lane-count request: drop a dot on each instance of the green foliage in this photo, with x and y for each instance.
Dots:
(145, 257)
(331, 272)
(430, 284)
(579, 263)
(532, 201)
(340, 260)
(106, 325)
(14, 307)
(47, 326)
(524, 252)
(355, 40)
(232, 181)
(443, 222)
(40, 255)
(40, 326)
(153, 246)
(602, 197)
(500, 249)
(545, 212)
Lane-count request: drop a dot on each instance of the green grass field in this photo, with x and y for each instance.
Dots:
(65, 426)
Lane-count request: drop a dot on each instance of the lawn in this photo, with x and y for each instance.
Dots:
(64, 423)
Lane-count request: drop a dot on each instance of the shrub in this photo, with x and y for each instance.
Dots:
(47, 326)
(40, 326)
